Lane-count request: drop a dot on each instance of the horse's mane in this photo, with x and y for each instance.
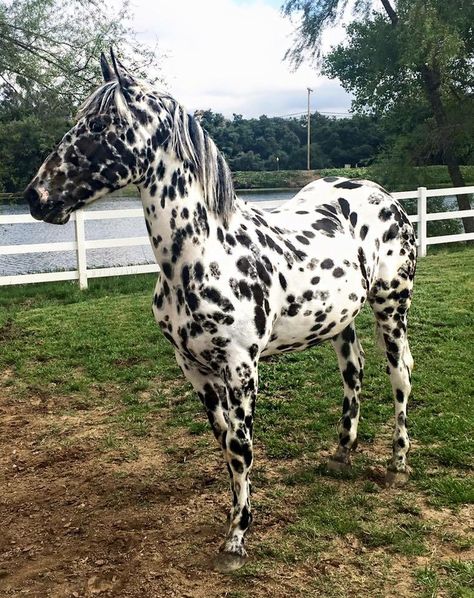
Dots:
(187, 138)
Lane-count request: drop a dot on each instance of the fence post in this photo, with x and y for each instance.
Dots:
(422, 231)
(81, 249)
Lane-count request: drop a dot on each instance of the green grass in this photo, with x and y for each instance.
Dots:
(273, 179)
(455, 578)
(101, 349)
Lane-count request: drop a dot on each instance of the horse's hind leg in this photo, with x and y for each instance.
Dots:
(391, 305)
(351, 364)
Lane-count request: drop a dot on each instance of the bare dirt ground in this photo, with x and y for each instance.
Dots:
(85, 514)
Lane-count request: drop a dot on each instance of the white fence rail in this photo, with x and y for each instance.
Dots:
(80, 245)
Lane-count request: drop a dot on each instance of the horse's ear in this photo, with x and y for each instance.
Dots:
(124, 77)
(105, 68)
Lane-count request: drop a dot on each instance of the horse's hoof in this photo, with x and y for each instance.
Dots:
(226, 562)
(396, 479)
(335, 465)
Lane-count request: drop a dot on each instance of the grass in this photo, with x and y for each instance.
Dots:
(454, 578)
(101, 349)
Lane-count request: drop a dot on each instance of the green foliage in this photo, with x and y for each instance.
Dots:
(49, 49)
(387, 173)
(397, 175)
(23, 145)
(382, 65)
(410, 64)
(271, 143)
(273, 179)
(316, 16)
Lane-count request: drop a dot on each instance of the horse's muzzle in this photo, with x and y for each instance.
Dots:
(48, 211)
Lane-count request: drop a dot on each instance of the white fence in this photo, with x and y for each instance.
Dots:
(81, 245)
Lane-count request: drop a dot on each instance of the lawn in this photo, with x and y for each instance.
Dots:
(112, 484)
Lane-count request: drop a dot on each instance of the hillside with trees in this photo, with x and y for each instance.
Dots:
(272, 143)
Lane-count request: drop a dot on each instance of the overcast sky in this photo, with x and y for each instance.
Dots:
(227, 55)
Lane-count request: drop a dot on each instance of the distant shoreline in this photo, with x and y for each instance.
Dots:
(432, 177)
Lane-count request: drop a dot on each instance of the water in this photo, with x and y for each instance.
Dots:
(29, 263)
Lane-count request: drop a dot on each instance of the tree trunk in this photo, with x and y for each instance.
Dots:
(392, 15)
(432, 81)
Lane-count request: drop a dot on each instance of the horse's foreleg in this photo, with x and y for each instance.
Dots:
(230, 402)
(212, 393)
(351, 364)
(242, 390)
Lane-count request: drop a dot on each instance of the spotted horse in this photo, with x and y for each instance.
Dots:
(238, 283)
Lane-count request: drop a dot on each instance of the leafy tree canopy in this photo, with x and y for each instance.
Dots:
(408, 61)
(49, 53)
(268, 143)
(49, 49)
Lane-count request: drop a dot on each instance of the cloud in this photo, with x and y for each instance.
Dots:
(227, 55)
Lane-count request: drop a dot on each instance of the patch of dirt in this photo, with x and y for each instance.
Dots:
(87, 515)
(81, 521)
(128, 361)
(10, 331)
(6, 375)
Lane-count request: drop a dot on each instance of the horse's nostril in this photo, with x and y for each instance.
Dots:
(32, 197)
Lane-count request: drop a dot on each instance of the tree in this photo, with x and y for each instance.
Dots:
(49, 53)
(410, 61)
(53, 45)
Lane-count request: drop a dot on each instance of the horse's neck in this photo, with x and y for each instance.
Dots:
(177, 218)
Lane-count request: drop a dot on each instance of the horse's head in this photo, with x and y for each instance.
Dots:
(124, 133)
(104, 151)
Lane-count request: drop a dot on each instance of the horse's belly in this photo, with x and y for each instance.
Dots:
(306, 320)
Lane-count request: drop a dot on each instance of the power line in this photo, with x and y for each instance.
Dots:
(346, 114)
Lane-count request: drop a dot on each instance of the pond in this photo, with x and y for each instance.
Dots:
(29, 263)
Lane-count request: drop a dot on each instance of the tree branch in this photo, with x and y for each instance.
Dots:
(40, 35)
(392, 15)
(12, 87)
(36, 51)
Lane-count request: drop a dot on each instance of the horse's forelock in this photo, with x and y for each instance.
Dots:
(102, 99)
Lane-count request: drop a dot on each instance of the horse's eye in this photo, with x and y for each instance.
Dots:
(97, 125)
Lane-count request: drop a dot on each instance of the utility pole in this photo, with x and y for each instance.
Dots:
(309, 130)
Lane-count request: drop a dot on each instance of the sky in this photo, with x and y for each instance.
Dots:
(227, 56)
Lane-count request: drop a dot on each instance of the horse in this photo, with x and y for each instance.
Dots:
(236, 283)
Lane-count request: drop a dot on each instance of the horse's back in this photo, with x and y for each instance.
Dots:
(360, 194)
(346, 215)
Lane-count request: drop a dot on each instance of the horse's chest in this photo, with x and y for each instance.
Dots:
(200, 322)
